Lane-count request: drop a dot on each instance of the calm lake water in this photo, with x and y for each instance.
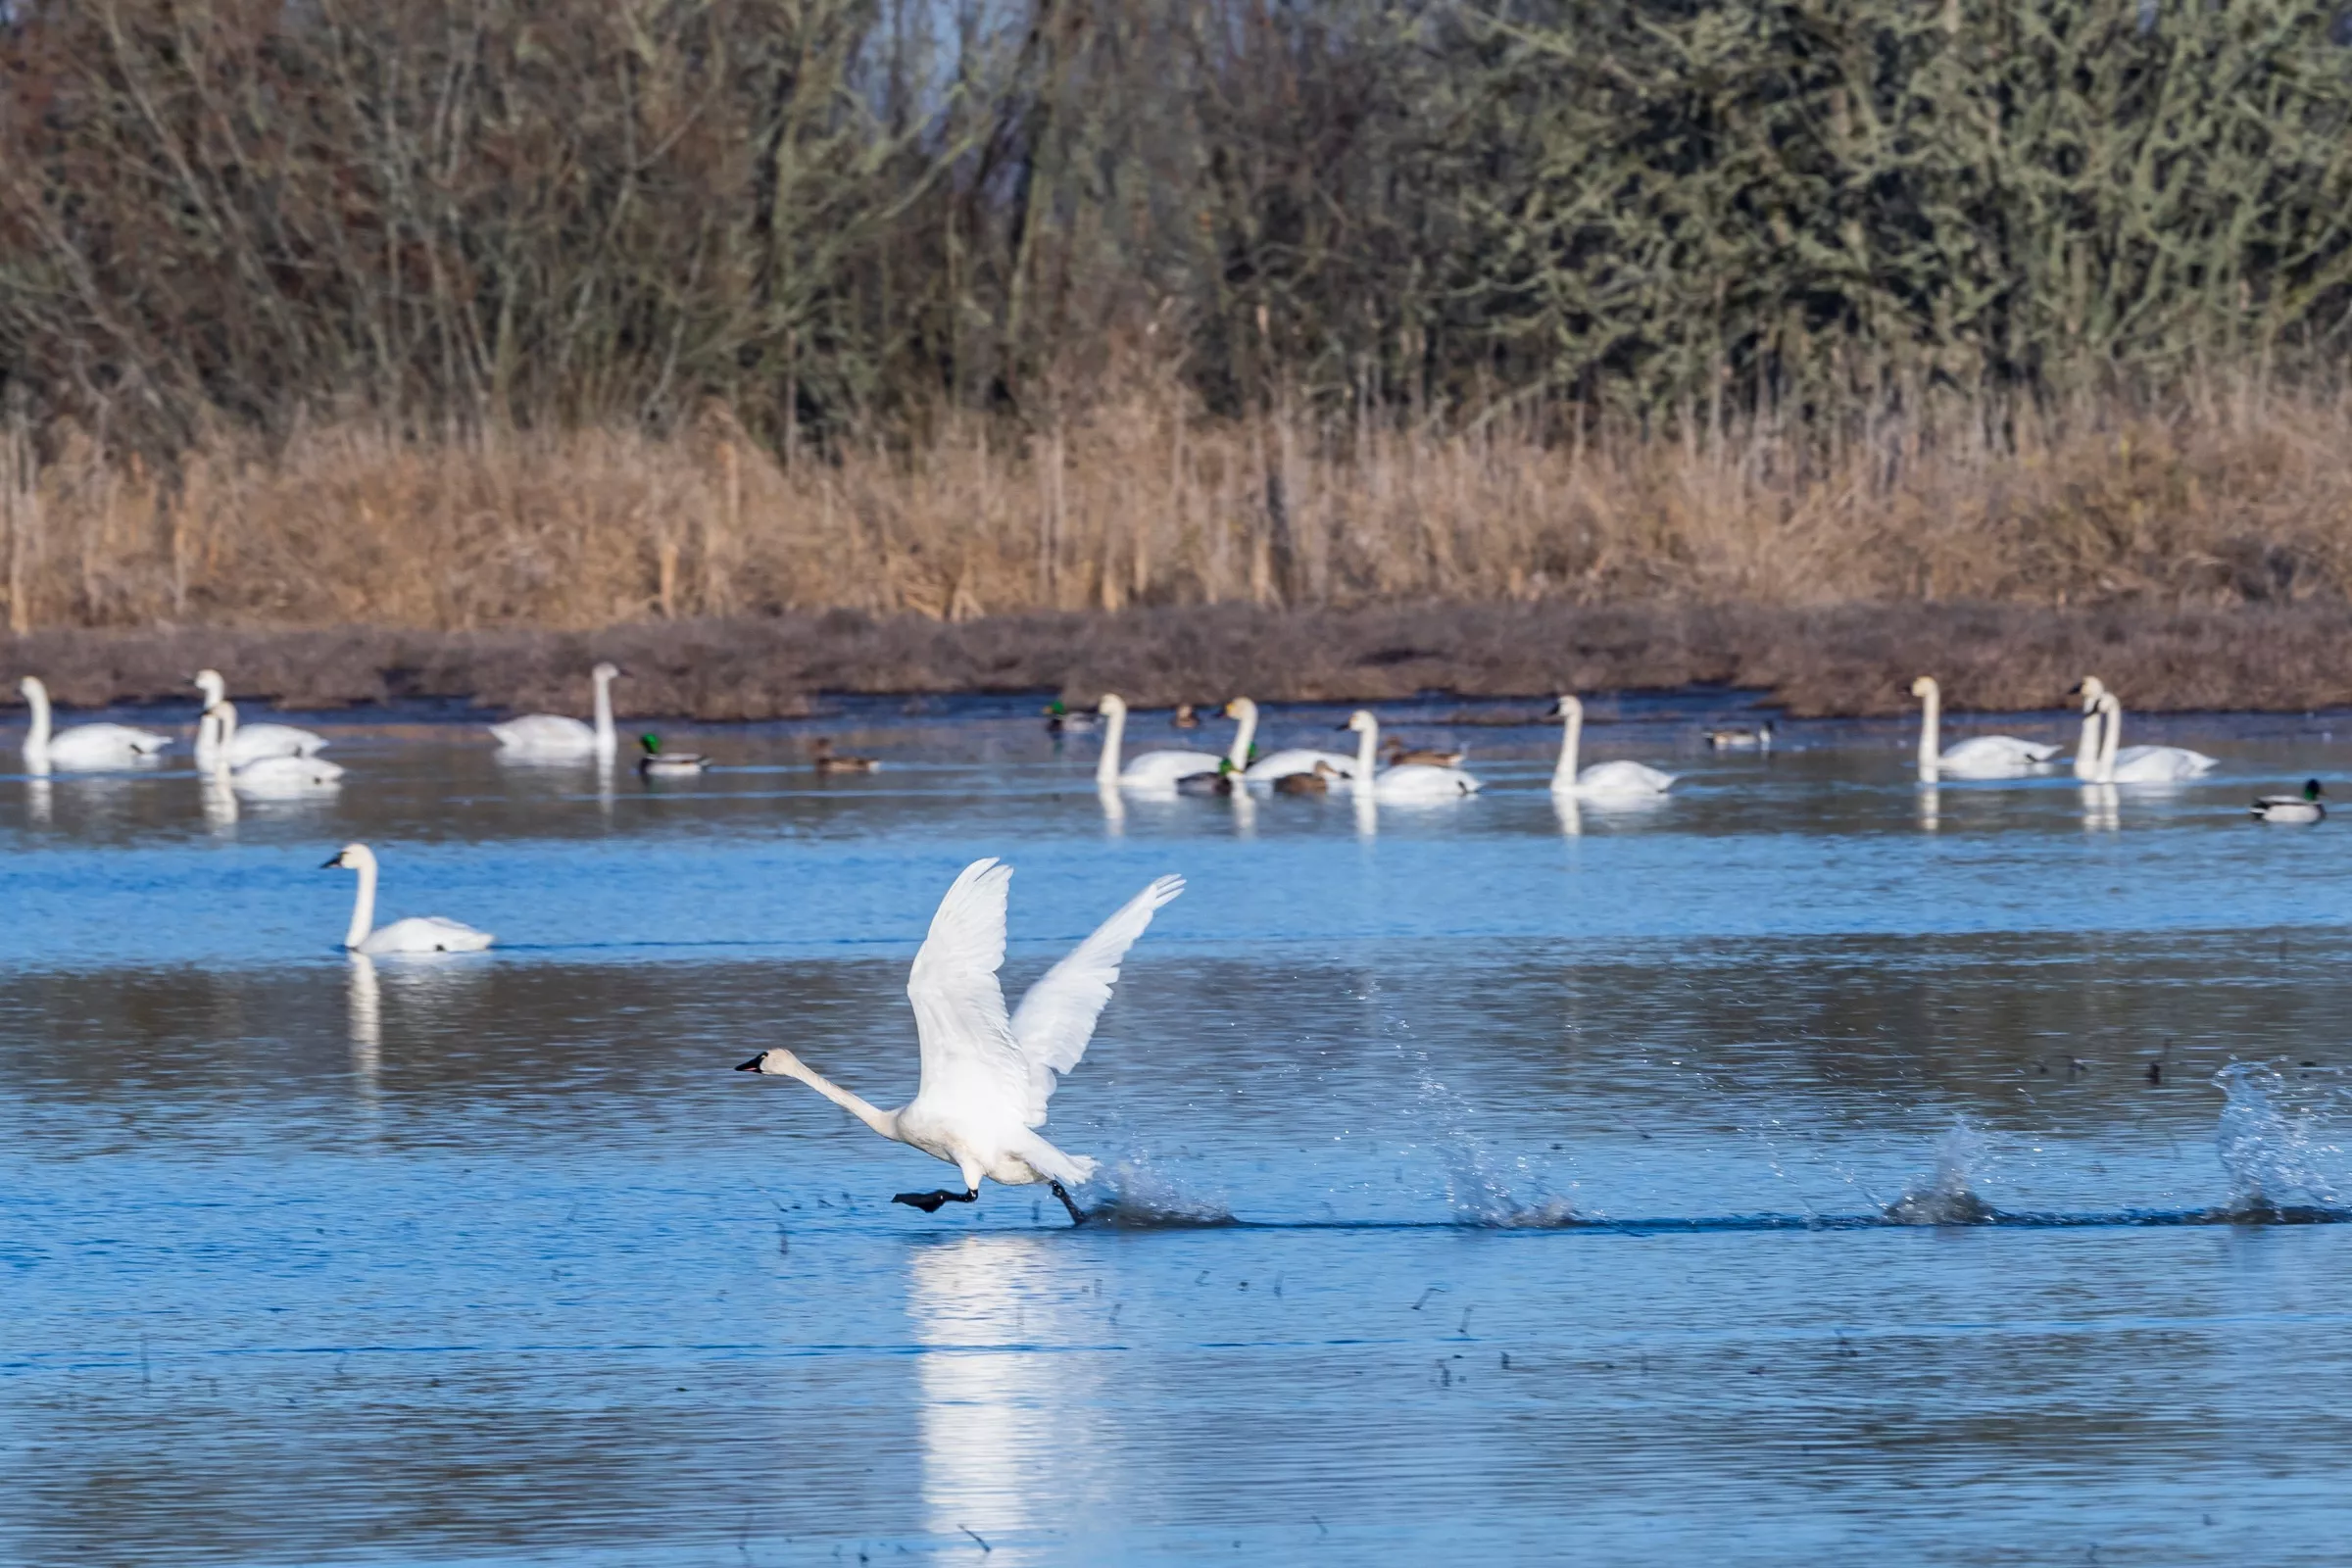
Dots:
(1482, 1185)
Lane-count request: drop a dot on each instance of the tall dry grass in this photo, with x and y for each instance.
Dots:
(1142, 499)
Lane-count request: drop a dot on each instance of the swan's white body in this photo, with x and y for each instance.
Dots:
(423, 932)
(216, 736)
(1152, 770)
(1279, 765)
(1978, 756)
(553, 735)
(985, 1076)
(1602, 780)
(249, 742)
(2142, 764)
(1403, 783)
(85, 747)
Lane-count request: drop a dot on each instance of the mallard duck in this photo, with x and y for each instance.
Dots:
(656, 763)
(1317, 782)
(1061, 721)
(2303, 808)
(1400, 755)
(826, 760)
(1224, 781)
(1759, 739)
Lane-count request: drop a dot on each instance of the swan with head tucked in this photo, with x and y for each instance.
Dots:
(420, 933)
(1152, 770)
(250, 741)
(985, 1076)
(217, 743)
(548, 735)
(1279, 765)
(1602, 780)
(1978, 756)
(2142, 764)
(1408, 781)
(85, 747)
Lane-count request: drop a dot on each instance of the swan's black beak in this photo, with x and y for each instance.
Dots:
(752, 1066)
(2075, 690)
(330, 864)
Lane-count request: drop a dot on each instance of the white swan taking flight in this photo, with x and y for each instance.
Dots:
(556, 735)
(1978, 756)
(1407, 781)
(1602, 780)
(1152, 770)
(1279, 765)
(85, 747)
(216, 737)
(249, 742)
(986, 1077)
(2141, 765)
(420, 933)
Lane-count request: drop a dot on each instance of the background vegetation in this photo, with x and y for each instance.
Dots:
(458, 313)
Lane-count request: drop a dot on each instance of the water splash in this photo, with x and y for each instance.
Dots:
(1141, 1195)
(2273, 1137)
(1482, 1190)
(1948, 1196)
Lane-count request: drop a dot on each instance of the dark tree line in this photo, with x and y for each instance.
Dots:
(842, 218)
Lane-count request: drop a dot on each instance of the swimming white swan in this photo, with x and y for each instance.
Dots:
(1279, 765)
(555, 735)
(217, 735)
(1407, 781)
(1602, 780)
(986, 1077)
(250, 741)
(1152, 770)
(2086, 749)
(2142, 764)
(420, 933)
(1978, 756)
(89, 747)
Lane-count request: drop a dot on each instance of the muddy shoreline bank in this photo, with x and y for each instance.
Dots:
(1838, 662)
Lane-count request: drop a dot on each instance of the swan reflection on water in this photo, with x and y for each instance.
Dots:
(1930, 803)
(219, 802)
(365, 1009)
(1013, 1437)
(2099, 802)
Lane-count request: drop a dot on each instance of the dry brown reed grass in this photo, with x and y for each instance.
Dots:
(1141, 499)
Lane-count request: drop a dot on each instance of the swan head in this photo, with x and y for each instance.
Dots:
(608, 671)
(777, 1063)
(1568, 708)
(2090, 689)
(31, 687)
(350, 858)
(210, 683)
(1362, 721)
(1239, 706)
(1109, 705)
(1922, 687)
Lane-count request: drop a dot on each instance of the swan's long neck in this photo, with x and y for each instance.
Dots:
(605, 740)
(1572, 737)
(1114, 732)
(1241, 737)
(36, 739)
(1931, 726)
(1367, 746)
(885, 1122)
(363, 907)
(2086, 749)
(223, 718)
(2111, 734)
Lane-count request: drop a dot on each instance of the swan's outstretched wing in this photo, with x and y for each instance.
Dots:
(1057, 1019)
(969, 1058)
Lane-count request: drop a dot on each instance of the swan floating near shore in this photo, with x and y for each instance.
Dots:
(1282, 764)
(986, 1077)
(1602, 780)
(1978, 756)
(543, 736)
(1152, 770)
(249, 742)
(2142, 764)
(84, 748)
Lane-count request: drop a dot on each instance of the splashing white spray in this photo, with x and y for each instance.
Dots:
(2273, 1137)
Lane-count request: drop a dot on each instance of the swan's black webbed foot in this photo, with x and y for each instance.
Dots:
(929, 1202)
(1077, 1214)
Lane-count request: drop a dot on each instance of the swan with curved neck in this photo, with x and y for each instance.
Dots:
(250, 741)
(1151, 770)
(2141, 765)
(1620, 780)
(2086, 749)
(1408, 781)
(217, 735)
(1289, 762)
(986, 1075)
(89, 747)
(420, 933)
(1978, 756)
(557, 735)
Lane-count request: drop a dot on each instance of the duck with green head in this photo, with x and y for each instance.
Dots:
(655, 763)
